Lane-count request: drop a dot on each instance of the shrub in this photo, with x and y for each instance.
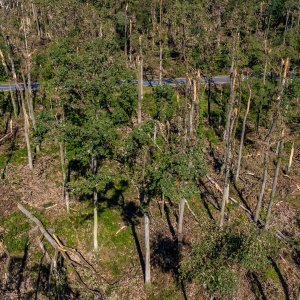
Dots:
(218, 261)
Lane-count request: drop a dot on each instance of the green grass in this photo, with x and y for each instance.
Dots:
(16, 227)
(3, 159)
(270, 273)
(165, 294)
(19, 156)
(76, 230)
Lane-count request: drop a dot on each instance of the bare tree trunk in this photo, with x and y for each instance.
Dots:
(140, 83)
(286, 24)
(125, 30)
(28, 69)
(160, 62)
(64, 176)
(30, 97)
(95, 200)
(130, 45)
(185, 125)
(192, 110)
(35, 16)
(279, 98)
(228, 144)
(231, 101)
(291, 158)
(224, 198)
(242, 138)
(263, 185)
(209, 102)
(180, 222)
(26, 132)
(147, 249)
(160, 44)
(26, 121)
(274, 185)
(297, 30)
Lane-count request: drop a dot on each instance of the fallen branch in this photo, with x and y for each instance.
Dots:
(5, 137)
(279, 234)
(191, 211)
(72, 256)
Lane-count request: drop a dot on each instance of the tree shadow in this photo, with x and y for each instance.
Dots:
(21, 280)
(165, 254)
(131, 215)
(217, 162)
(241, 196)
(23, 264)
(54, 285)
(206, 201)
(256, 287)
(283, 282)
(168, 218)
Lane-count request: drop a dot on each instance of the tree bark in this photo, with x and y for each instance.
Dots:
(291, 158)
(274, 185)
(26, 132)
(147, 249)
(193, 106)
(64, 175)
(228, 144)
(180, 222)
(209, 102)
(242, 138)
(130, 45)
(160, 62)
(95, 200)
(125, 30)
(160, 44)
(263, 186)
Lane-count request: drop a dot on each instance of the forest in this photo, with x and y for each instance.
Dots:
(150, 149)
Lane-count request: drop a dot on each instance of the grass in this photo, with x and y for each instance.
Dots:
(3, 159)
(19, 156)
(16, 228)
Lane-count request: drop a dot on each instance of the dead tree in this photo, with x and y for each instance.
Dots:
(275, 179)
(231, 115)
(243, 137)
(140, 68)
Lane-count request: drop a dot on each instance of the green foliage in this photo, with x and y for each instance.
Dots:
(218, 260)
(164, 103)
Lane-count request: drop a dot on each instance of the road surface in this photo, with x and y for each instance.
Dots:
(6, 87)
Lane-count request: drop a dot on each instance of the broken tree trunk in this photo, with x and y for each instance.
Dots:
(291, 158)
(95, 200)
(140, 83)
(263, 185)
(274, 185)
(180, 222)
(242, 138)
(231, 115)
(147, 249)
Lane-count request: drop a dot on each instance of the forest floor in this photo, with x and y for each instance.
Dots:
(120, 256)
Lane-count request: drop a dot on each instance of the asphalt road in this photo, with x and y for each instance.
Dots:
(5, 87)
